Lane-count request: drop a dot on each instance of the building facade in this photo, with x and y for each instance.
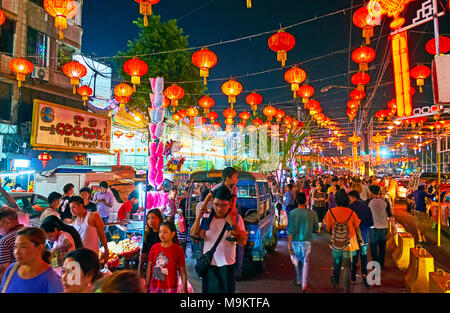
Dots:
(30, 33)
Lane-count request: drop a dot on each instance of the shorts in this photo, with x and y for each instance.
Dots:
(320, 211)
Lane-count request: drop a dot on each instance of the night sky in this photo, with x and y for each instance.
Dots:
(107, 26)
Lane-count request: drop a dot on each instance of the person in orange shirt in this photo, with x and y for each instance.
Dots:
(342, 214)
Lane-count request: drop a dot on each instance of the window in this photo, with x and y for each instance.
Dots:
(5, 101)
(38, 2)
(7, 31)
(37, 47)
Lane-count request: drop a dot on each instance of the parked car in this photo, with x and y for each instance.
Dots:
(7, 201)
(445, 208)
(254, 204)
(31, 203)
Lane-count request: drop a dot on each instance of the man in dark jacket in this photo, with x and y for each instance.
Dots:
(365, 215)
(422, 218)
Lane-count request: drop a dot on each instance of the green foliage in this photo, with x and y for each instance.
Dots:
(174, 67)
(291, 145)
(205, 165)
(246, 166)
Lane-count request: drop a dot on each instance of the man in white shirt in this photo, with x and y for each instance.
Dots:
(221, 273)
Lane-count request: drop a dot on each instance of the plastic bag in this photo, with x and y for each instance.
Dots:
(105, 271)
(180, 286)
(294, 259)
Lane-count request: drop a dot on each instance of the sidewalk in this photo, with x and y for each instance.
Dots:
(440, 254)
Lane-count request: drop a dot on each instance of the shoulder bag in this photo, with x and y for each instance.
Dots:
(205, 260)
(10, 276)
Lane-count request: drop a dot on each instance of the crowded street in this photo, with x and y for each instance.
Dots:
(233, 154)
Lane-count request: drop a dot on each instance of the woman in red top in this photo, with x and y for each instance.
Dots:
(165, 261)
(125, 209)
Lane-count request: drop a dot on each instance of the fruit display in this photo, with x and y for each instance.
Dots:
(113, 260)
(125, 248)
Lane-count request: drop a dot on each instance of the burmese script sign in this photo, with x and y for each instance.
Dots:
(60, 128)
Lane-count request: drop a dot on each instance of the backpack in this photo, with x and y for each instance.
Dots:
(340, 238)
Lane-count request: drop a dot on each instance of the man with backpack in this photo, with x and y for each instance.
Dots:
(343, 223)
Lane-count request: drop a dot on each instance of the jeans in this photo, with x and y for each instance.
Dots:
(378, 244)
(302, 250)
(219, 279)
(342, 258)
(363, 253)
(239, 260)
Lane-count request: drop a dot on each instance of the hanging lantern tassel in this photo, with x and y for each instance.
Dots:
(420, 83)
(135, 80)
(249, 4)
(294, 88)
(231, 100)
(367, 33)
(61, 23)
(204, 72)
(145, 9)
(282, 57)
(75, 82)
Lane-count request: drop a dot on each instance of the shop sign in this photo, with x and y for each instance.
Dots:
(60, 128)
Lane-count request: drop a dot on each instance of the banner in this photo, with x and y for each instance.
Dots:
(60, 128)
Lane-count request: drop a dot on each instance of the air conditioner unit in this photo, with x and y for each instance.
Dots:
(40, 73)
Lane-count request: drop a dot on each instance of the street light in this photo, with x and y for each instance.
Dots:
(325, 89)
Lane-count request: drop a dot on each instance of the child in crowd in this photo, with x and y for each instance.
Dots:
(180, 224)
(165, 261)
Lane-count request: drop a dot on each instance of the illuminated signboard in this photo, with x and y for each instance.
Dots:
(60, 128)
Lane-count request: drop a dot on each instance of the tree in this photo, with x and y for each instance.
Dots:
(173, 66)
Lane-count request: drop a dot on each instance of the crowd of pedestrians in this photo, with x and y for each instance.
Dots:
(72, 229)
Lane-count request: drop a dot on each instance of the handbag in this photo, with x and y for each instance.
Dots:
(205, 260)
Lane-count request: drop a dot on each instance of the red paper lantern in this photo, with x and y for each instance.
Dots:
(380, 115)
(216, 125)
(61, 10)
(166, 102)
(363, 56)
(192, 113)
(229, 121)
(229, 114)
(357, 95)
(241, 126)
(174, 93)
(84, 92)
(288, 121)
(75, 70)
(182, 113)
(145, 8)
(392, 104)
(353, 104)
(79, 158)
(312, 104)
(123, 93)
(122, 100)
(257, 122)
(269, 111)
(244, 116)
(231, 88)
(295, 76)
(206, 103)
(129, 135)
(362, 19)
(444, 45)
(204, 59)
(281, 43)
(21, 67)
(135, 68)
(279, 114)
(254, 99)
(118, 133)
(419, 73)
(2, 17)
(360, 79)
(44, 158)
(306, 92)
(212, 116)
(176, 117)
